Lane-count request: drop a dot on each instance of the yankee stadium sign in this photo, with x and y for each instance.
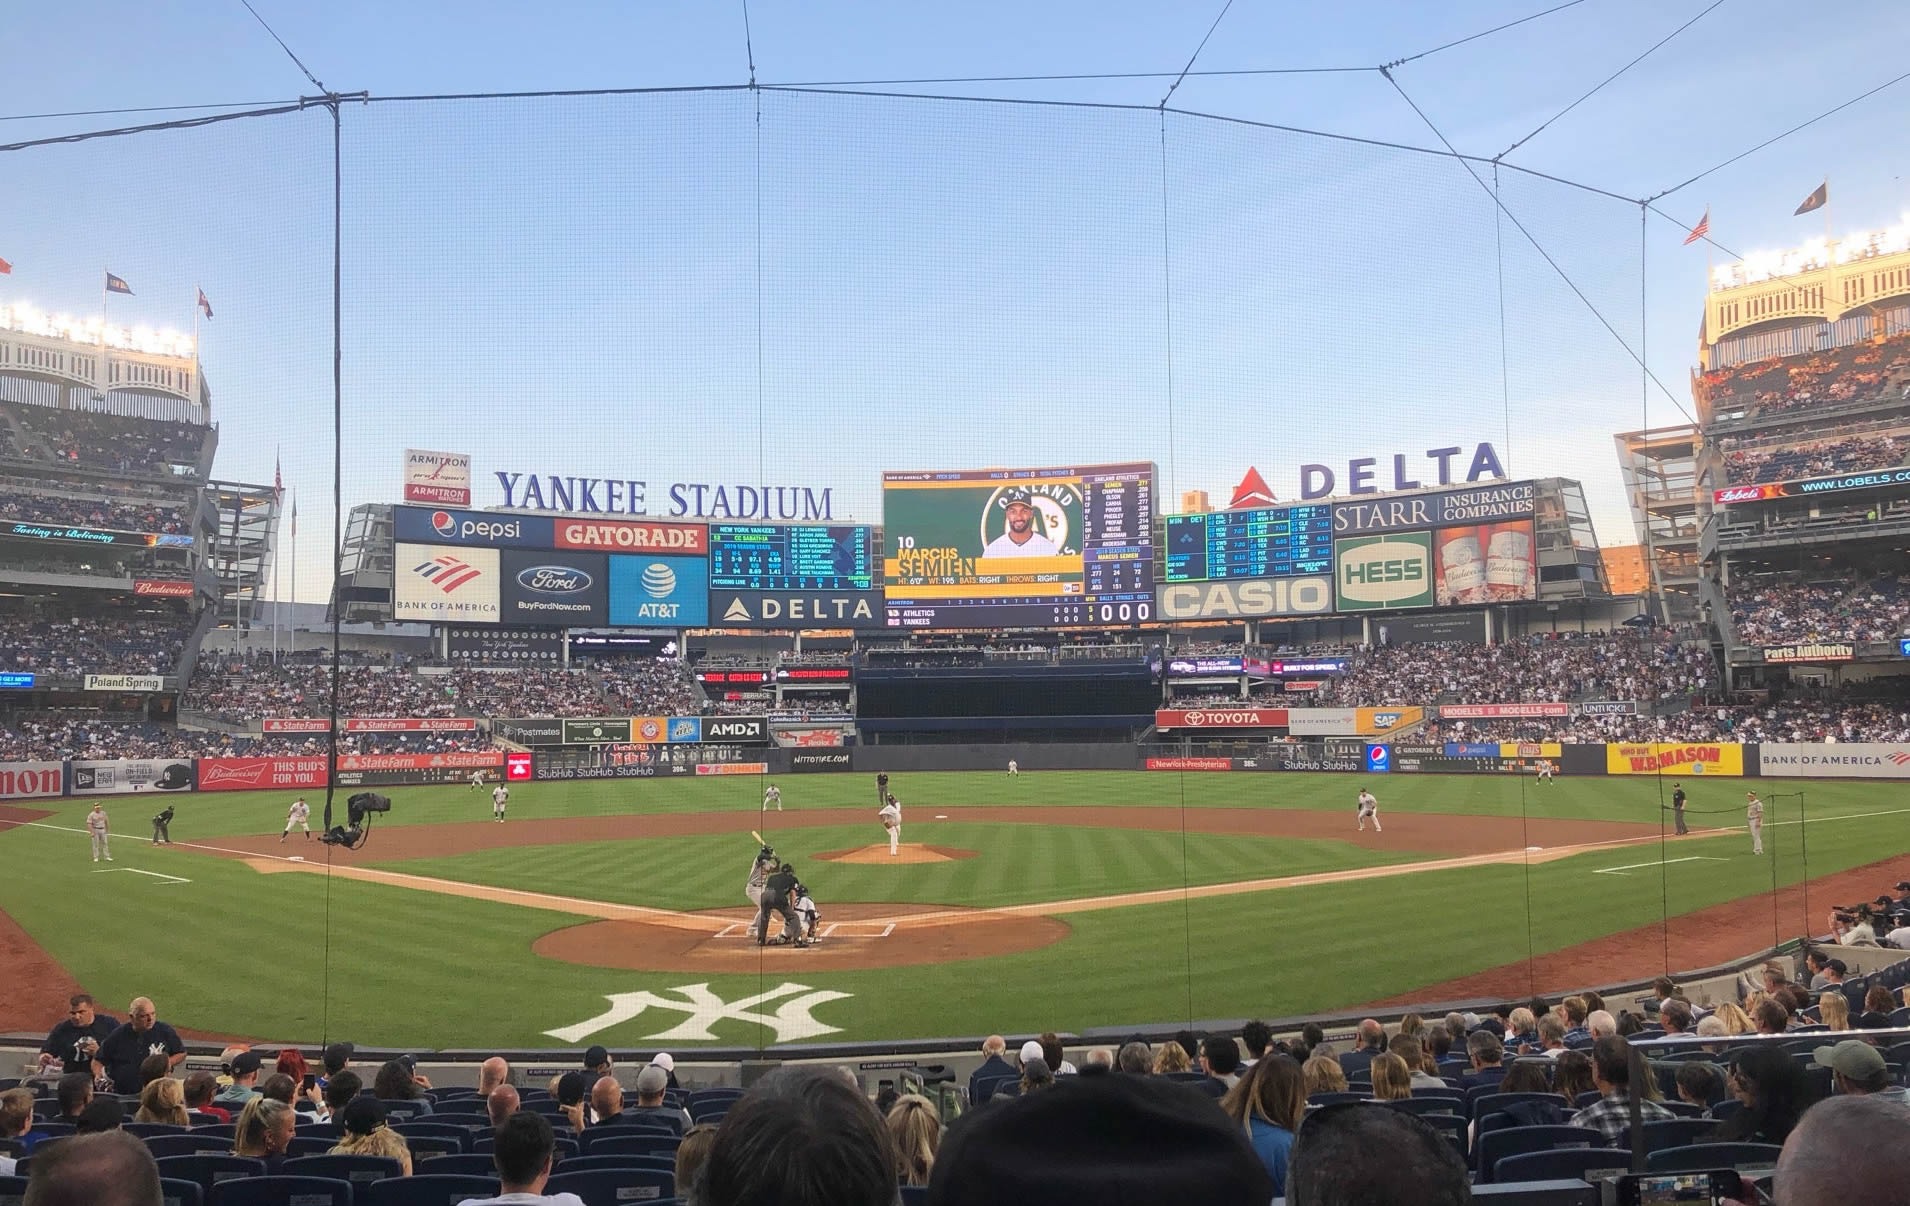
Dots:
(630, 496)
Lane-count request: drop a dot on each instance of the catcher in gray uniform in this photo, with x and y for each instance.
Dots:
(759, 873)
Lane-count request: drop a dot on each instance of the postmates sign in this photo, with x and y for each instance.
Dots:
(1673, 758)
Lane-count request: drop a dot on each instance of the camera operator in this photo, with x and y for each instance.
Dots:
(1852, 926)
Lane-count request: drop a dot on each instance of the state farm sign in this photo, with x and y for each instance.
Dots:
(1220, 718)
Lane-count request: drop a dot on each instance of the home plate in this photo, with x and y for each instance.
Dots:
(295, 858)
(1532, 849)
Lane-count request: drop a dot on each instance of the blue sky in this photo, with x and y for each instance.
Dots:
(572, 285)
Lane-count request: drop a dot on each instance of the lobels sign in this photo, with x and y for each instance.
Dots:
(1317, 481)
(630, 496)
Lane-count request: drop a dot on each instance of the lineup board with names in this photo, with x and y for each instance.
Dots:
(769, 557)
(1269, 542)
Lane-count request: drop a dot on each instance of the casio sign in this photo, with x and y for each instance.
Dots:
(554, 579)
(451, 527)
(1251, 597)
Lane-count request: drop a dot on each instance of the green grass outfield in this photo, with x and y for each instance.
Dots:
(301, 957)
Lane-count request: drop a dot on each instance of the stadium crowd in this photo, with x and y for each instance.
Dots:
(115, 442)
(124, 516)
(1619, 666)
(1825, 457)
(242, 691)
(1788, 612)
(1829, 378)
(51, 736)
(145, 642)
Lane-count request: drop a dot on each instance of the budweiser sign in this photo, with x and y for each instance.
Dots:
(1220, 718)
(162, 590)
(1502, 711)
(297, 724)
(410, 724)
(244, 774)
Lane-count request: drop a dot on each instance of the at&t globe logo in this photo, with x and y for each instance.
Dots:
(659, 580)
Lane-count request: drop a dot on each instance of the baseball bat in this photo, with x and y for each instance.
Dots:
(758, 837)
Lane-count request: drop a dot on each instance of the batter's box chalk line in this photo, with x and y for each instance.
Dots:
(834, 929)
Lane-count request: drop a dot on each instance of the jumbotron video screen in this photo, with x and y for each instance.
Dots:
(1008, 548)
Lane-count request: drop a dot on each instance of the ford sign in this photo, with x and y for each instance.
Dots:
(554, 579)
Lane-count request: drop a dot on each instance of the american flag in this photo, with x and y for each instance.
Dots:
(205, 307)
(1702, 229)
(278, 480)
(5, 268)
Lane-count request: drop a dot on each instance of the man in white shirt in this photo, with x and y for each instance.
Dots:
(522, 1155)
(1369, 807)
(499, 795)
(891, 814)
(477, 779)
(1014, 768)
(1020, 539)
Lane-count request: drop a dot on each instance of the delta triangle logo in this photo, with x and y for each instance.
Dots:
(736, 610)
(1252, 492)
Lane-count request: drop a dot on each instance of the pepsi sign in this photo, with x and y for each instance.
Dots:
(483, 528)
(550, 589)
(1379, 758)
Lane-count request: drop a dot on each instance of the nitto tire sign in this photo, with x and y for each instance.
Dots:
(1245, 599)
(31, 780)
(828, 760)
(1372, 573)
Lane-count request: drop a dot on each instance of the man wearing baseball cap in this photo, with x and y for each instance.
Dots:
(244, 1067)
(1019, 536)
(1858, 1069)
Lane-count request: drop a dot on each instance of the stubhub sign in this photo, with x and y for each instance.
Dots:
(424, 525)
(659, 592)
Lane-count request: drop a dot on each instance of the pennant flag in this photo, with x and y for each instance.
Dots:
(1815, 201)
(1251, 492)
(1702, 229)
(116, 284)
(205, 307)
(5, 268)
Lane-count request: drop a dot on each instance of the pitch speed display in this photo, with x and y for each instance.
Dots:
(770, 557)
(1019, 548)
(1270, 542)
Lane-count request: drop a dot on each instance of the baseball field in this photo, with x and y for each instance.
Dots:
(613, 912)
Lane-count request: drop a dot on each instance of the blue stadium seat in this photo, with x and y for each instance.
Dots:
(145, 1129)
(187, 1144)
(358, 1171)
(715, 1093)
(566, 1146)
(174, 1192)
(915, 1195)
(427, 1189)
(12, 1148)
(1683, 1109)
(399, 1109)
(1494, 1146)
(1589, 1097)
(985, 1088)
(469, 1164)
(1423, 1106)
(207, 1169)
(614, 1186)
(1325, 1099)
(455, 1114)
(12, 1190)
(459, 1135)
(593, 1163)
(281, 1191)
(425, 1146)
(1478, 1104)
(1678, 1132)
(311, 1145)
(1699, 1157)
(1454, 1094)
(54, 1130)
(225, 1130)
(610, 1143)
(1559, 1164)
(713, 1111)
(323, 1130)
(1450, 1125)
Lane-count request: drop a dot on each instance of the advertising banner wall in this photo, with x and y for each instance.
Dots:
(804, 609)
(410, 724)
(529, 730)
(607, 731)
(1809, 653)
(32, 780)
(558, 590)
(1428, 626)
(1189, 764)
(1473, 505)
(1373, 721)
(296, 724)
(64, 534)
(162, 588)
(255, 774)
(390, 770)
(441, 479)
(732, 768)
(1853, 760)
(811, 738)
(1188, 667)
(819, 760)
(1245, 598)
(747, 730)
(125, 682)
(659, 592)
(1672, 758)
(504, 646)
(486, 529)
(442, 585)
(1502, 711)
(121, 776)
(685, 729)
(1608, 707)
(1485, 563)
(1323, 722)
(1814, 485)
(1372, 573)
(621, 536)
(1220, 718)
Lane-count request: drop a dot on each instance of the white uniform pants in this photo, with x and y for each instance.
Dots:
(895, 839)
(100, 849)
(1757, 837)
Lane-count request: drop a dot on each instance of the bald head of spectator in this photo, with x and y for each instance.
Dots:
(492, 1073)
(109, 1169)
(1601, 1024)
(1845, 1150)
(502, 1103)
(606, 1098)
(994, 1045)
(1372, 1034)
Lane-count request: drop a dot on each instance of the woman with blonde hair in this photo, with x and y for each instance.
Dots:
(1391, 1081)
(163, 1100)
(263, 1132)
(367, 1135)
(1171, 1058)
(1834, 1009)
(917, 1130)
(1412, 1024)
(1269, 1103)
(1736, 1020)
(1323, 1074)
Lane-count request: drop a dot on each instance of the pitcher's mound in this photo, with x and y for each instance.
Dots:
(910, 852)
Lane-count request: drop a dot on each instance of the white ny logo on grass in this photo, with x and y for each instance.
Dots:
(791, 1021)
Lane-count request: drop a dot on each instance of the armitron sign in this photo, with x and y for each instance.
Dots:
(1220, 718)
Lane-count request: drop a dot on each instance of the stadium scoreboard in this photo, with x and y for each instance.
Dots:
(1268, 542)
(1019, 548)
(771, 557)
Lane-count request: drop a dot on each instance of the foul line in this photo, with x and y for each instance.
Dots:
(171, 879)
(1628, 867)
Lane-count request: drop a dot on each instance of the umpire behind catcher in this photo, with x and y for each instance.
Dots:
(779, 896)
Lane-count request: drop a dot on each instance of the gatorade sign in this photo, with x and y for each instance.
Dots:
(1371, 573)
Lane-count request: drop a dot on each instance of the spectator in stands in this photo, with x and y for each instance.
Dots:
(75, 1093)
(337, 1058)
(243, 1068)
(1844, 1151)
(1256, 1036)
(1269, 1103)
(1526, 1076)
(1878, 1006)
(572, 1087)
(1220, 1059)
(917, 1131)
(1573, 1076)
(16, 1120)
(500, 1103)
(651, 1084)
(1333, 1161)
(1097, 1060)
(1700, 1083)
(1424, 1073)
(606, 1102)
(1323, 1075)
(597, 1064)
(1833, 1009)
(1610, 1115)
(1551, 1036)
(1770, 1017)
(1600, 1024)
(1372, 1041)
(1035, 1076)
(523, 1154)
(803, 1137)
(1857, 1068)
(63, 1043)
(1391, 1080)
(142, 1034)
(1816, 962)
(1674, 1014)
(100, 1114)
(365, 1133)
(163, 1100)
(1735, 1020)
(340, 1091)
(1773, 1090)
(200, 1089)
(1521, 1029)
(493, 1072)
(692, 1154)
(1486, 1053)
(1170, 1059)
(993, 1067)
(152, 1068)
(264, 1131)
(1313, 1039)
(113, 1169)
(1134, 1058)
(398, 1081)
(1079, 1140)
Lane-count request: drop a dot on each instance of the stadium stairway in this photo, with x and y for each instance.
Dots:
(189, 653)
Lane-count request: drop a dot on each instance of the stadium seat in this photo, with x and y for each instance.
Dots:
(146, 1129)
(1326, 1099)
(1478, 1105)
(12, 1148)
(1678, 1132)
(1452, 1126)
(1454, 1094)
(225, 1130)
(1537, 1193)
(207, 1169)
(12, 1190)
(282, 1191)
(715, 1093)
(713, 1111)
(400, 1109)
(429, 1189)
(614, 1186)
(1725, 1109)
(985, 1088)
(311, 1145)
(174, 1192)
(460, 1135)
(1494, 1146)
(1683, 1109)
(186, 1145)
(592, 1163)
(915, 1195)
(358, 1171)
(610, 1143)
(432, 1145)
(200, 1118)
(1589, 1097)
(468, 1164)
(1700, 1156)
(454, 1117)
(1425, 1105)
(1559, 1164)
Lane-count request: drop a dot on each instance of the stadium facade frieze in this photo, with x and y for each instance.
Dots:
(631, 496)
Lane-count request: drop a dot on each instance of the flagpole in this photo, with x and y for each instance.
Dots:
(291, 630)
(105, 274)
(193, 390)
(278, 607)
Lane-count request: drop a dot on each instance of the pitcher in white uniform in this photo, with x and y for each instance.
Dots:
(891, 814)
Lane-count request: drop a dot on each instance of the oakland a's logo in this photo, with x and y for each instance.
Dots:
(1037, 520)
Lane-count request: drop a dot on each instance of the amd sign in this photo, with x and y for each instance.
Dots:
(1246, 598)
(753, 730)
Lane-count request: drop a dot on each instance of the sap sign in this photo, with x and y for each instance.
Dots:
(1379, 758)
(1374, 572)
(1316, 481)
(659, 592)
(423, 525)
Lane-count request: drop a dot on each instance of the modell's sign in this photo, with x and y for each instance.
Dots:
(1502, 711)
(1809, 653)
(156, 589)
(440, 478)
(1220, 718)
